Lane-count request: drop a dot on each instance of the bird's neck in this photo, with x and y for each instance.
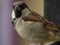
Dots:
(25, 12)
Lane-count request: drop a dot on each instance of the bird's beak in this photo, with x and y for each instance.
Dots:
(13, 14)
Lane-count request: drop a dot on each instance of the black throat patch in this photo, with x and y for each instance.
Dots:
(19, 13)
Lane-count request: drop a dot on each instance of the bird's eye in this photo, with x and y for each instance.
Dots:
(17, 8)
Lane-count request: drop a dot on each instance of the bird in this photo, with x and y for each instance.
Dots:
(32, 26)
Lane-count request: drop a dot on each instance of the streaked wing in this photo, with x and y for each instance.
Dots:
(34, 17)
(38, 18)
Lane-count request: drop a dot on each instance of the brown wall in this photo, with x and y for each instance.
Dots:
(36, 5)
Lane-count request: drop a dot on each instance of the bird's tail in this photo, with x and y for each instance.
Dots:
(53, 27)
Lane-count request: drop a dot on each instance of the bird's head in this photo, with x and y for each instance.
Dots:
(19, 9)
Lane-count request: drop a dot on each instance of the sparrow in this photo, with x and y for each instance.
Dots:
(32, 26)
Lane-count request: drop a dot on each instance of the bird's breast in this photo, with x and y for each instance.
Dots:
(31, 30)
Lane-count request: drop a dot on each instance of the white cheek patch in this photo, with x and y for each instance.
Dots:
(13, 14)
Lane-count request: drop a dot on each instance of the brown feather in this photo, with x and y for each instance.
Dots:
(34, 17)
(38, 18)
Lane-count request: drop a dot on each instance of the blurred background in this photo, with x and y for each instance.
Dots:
(47, 8)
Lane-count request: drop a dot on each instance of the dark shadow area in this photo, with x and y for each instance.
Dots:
(52, 10)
